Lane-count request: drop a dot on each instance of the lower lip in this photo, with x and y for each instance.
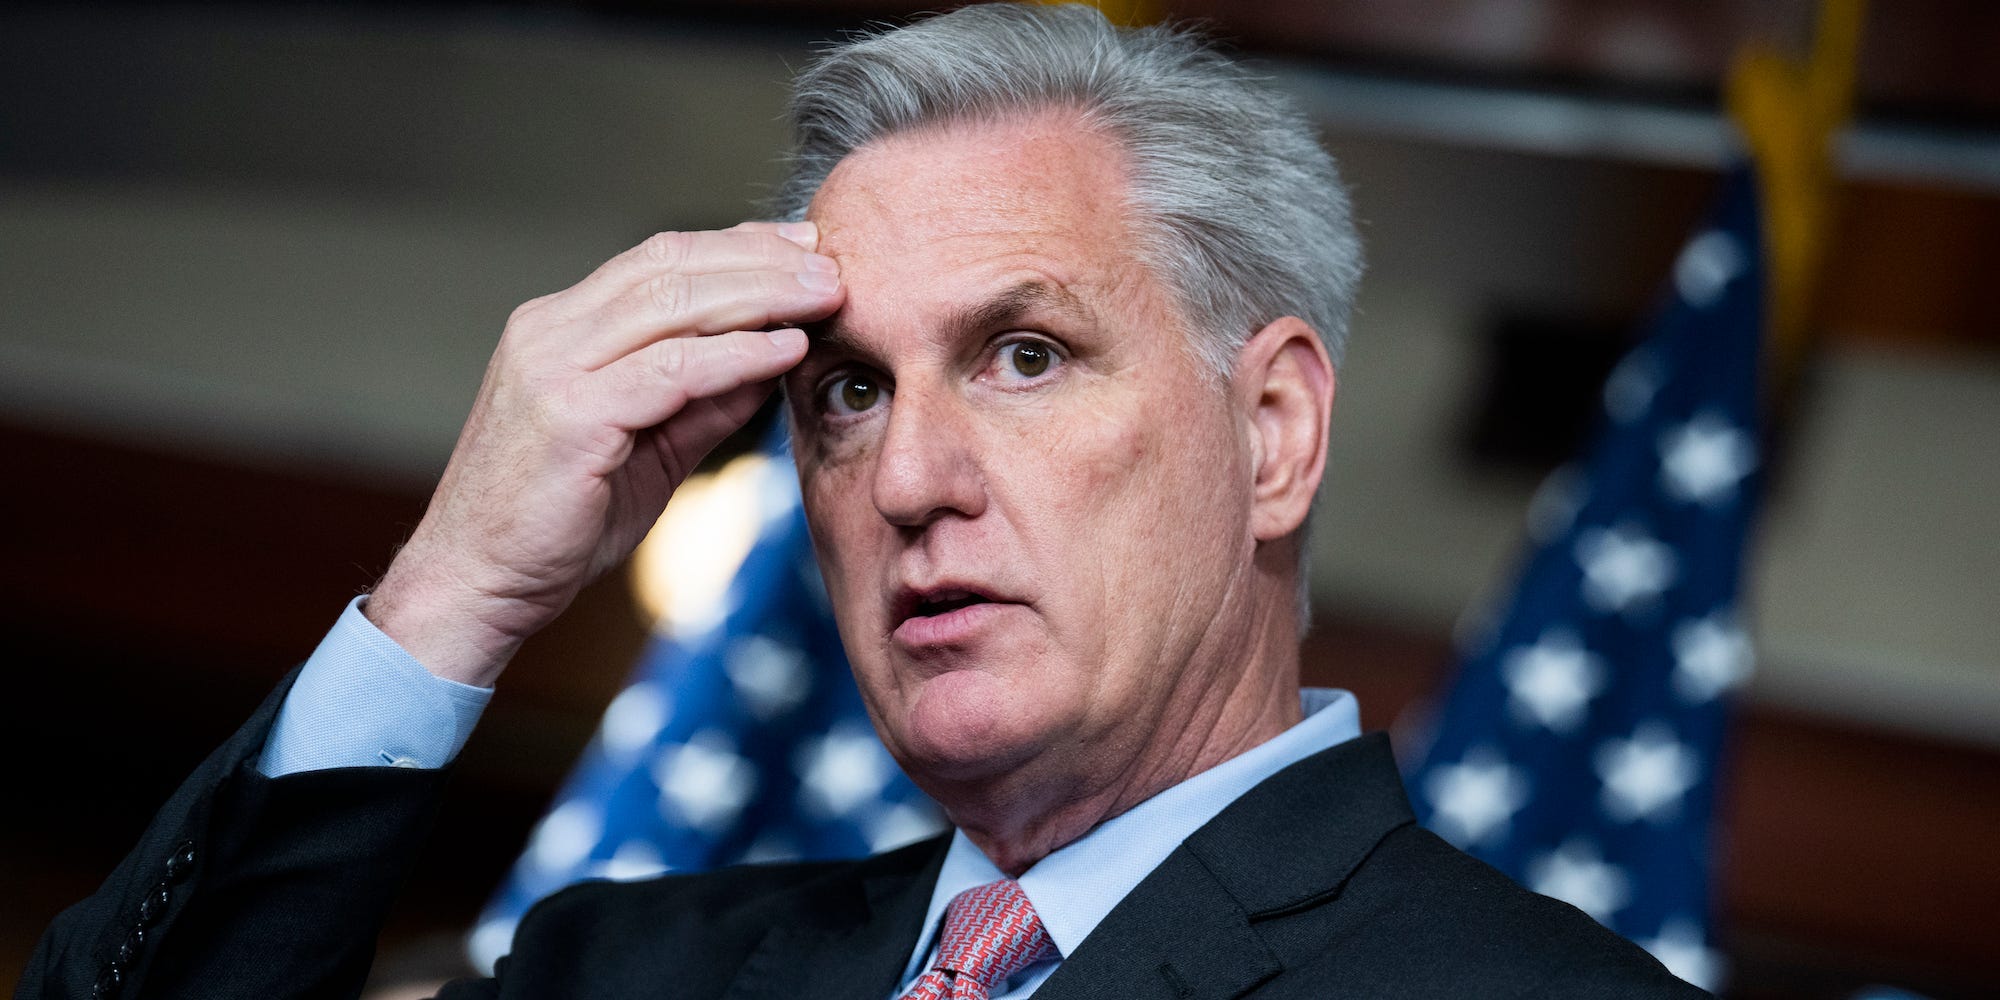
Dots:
(952, 628)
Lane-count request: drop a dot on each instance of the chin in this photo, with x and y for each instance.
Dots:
(966, 725)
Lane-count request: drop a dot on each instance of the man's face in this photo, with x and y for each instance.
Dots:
(1029, 500)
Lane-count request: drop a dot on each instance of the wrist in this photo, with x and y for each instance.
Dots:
(454, 630)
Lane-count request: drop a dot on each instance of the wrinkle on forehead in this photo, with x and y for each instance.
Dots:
(935, 221)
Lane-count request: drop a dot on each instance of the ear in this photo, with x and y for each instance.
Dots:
(1284, 382)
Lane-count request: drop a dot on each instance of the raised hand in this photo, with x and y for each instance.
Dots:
(598, 402)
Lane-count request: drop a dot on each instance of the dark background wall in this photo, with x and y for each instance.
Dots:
(252, 259)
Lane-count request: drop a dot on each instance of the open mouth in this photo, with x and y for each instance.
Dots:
(945, 616)
(934, 603)
(945, 604)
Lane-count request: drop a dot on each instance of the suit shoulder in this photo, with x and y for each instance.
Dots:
(1460, 916)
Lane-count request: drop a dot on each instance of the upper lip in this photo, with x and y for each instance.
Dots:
(910, 600)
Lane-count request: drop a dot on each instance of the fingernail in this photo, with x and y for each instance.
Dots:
(821, 262)
(818, 281)
(804, 234)
(789, 338)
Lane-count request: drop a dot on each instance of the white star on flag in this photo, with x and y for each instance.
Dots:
(901, 824)
(1703, 460)
(1475, 798)
(633, 860)
(771, 677)
(842, 770)
(1645, 776)
(1680, 947)
(1556, 503)
(1706, 267)
(1623, 567)
(703, 781)
(770, 846)
(1550, 682)
(566, 835)
(1711, 655)
(1578, 875)
(1631, 386)
(634, 719)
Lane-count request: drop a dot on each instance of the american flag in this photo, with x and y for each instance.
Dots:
(1577, 751)
(741, 736)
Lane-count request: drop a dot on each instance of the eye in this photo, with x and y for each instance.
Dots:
(1026, 359)
(850, 393)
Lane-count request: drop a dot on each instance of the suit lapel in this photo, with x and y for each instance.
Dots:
(1178, 935)
(1292, 841)
(847, 939)
(1190, 930)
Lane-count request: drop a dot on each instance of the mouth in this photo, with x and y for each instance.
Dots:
(948, 616)
(936, 602)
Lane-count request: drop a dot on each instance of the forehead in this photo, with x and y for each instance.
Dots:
(923, 219)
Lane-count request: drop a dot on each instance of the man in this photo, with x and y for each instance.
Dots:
(1074, 299)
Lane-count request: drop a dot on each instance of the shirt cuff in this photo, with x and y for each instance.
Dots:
(361, 700)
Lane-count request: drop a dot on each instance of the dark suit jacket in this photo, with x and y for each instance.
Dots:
(1316, 883)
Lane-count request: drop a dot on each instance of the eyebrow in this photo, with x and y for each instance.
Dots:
(1021, 299)
(1006, 308)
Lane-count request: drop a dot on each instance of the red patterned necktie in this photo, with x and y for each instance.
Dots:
(991, 931)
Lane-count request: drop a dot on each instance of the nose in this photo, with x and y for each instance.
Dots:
(927, 467)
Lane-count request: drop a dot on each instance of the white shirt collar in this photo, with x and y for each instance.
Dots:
(1074, 887)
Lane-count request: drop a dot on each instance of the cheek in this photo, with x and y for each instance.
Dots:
(1149, 466)
(1166, 514)
(838, 516)
(1121, 492)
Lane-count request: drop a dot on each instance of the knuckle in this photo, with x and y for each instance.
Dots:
(669, 250)
(740, 348)
(667, 361)
(668, 294)
(526, 310)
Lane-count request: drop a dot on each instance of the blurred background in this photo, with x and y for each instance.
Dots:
(253, 259)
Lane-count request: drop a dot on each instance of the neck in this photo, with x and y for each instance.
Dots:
(1020, 818)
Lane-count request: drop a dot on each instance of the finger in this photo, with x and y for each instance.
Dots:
(657, 382)
(678, 305)
(704, 423)
(737, 249)
(805, 234)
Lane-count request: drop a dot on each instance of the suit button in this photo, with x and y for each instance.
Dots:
(153, 907)
(107, 984)
(182, 863)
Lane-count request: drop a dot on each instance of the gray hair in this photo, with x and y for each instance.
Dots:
(1242, 213)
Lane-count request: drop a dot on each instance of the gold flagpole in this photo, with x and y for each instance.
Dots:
(1790, 111)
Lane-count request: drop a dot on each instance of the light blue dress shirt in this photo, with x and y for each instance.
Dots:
(362, 700)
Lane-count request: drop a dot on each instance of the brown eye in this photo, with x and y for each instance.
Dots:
(1027, 358)
(853, 394)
